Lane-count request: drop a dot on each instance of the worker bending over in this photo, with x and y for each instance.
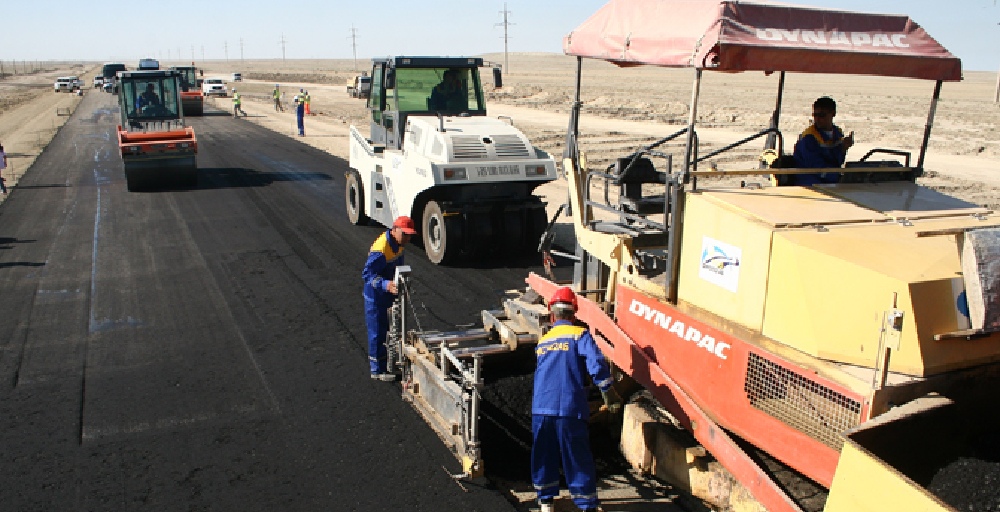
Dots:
(380, 290)
(559, 409)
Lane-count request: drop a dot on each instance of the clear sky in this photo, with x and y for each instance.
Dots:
(101, 30)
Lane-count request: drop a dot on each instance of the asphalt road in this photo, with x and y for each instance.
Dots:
(204, 349)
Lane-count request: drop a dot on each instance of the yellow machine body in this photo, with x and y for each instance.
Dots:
(818, 269)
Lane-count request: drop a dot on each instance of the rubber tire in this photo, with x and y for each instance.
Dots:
(354, 199)
(442, 241)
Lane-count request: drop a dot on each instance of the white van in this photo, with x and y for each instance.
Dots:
(213, 87)
(67, 84)
(237, 77)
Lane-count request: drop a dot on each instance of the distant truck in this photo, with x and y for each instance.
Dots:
(109, 84)
(361, 88)
(149, 64)
(98, 81)
(66, 84)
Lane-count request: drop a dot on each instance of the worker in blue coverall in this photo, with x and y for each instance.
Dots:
(566, 354)
(822, 145)
(380, 290)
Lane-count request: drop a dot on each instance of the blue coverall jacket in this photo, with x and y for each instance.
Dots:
(565, 356)
(815, 150)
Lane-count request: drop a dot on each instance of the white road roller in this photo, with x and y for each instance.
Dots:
(466, 179)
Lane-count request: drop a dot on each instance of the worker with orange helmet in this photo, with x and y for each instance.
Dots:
(566, 355)
(380, 290)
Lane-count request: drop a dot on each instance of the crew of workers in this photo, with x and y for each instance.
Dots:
(567, 357)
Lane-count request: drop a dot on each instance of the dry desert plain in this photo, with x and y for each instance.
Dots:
(624, 108)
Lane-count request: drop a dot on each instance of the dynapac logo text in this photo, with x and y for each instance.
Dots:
(834, 37)
(677, 328)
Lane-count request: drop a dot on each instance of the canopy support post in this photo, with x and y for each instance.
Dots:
(927, 128)
(776, 115)
(692, 117)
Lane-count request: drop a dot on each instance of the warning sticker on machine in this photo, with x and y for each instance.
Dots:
(498, 170)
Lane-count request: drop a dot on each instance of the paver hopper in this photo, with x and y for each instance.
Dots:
(157, 148)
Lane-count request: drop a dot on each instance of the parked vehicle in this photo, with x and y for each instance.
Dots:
(361, 88)
(214, 87)
(149, 64)
(237, 77)
(67, 84)
(98, 81)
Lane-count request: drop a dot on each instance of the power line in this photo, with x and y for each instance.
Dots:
(354, 45)
(505, 24)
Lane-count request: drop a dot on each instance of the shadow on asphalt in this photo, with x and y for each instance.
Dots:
(22, 264)
(51, 185)
(4, 240)
(233, 177)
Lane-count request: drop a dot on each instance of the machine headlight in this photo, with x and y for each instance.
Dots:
(454, 173)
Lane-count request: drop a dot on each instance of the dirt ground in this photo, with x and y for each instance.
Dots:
(624, 108)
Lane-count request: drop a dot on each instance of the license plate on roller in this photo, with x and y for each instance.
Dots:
(498, 170)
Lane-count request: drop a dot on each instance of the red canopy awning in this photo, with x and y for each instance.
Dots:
(732, 35)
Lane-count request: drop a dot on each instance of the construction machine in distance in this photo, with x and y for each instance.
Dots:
(466, 179)
(844, 335)
(192, 99)
(361, 87)
(157, 148)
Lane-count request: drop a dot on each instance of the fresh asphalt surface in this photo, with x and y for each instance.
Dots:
(204, 349)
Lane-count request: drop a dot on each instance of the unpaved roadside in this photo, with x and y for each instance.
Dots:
(32, 115)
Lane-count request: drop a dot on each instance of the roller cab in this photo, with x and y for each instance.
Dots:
(157, 148)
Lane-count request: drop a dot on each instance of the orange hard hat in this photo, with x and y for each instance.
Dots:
(406, 224)
(563, 295)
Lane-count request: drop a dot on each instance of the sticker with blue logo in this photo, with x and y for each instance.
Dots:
(720, 263)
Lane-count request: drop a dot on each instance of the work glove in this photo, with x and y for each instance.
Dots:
(612, 401)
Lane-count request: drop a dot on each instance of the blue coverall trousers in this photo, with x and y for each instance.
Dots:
(377, 321)
(566, 441)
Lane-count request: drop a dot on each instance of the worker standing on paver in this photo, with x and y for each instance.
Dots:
(380, 290)
(237, 105)
(307, 99)
(559, 408)
(276, 94)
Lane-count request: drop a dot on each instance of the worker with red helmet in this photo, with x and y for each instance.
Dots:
(559, 409)
(380, 290)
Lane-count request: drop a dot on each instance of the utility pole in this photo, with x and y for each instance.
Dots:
(241, 51)
(192, 52)
(283, 41)
(354, 45)
(225, 47)
(203, 53)
(505, 24)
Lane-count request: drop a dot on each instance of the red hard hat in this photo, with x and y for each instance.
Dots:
(563, 295)
(406, 224)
